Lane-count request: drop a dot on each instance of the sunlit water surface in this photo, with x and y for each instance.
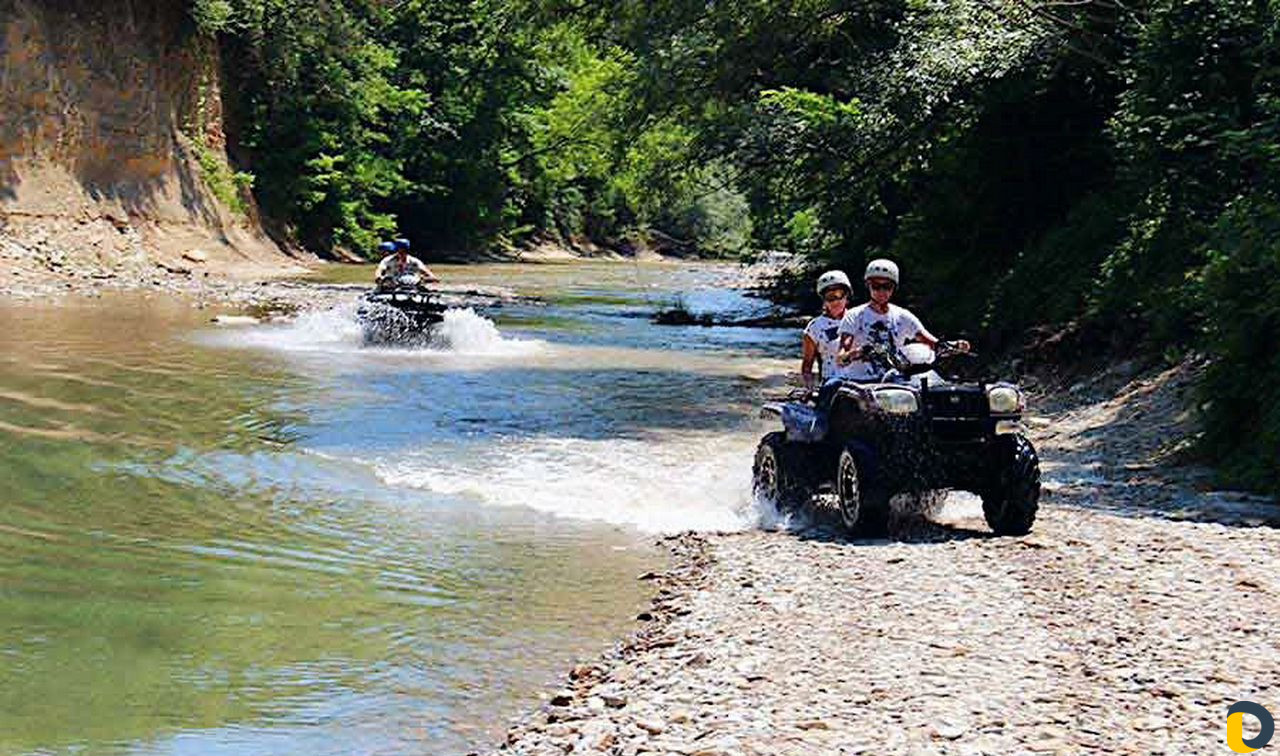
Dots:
(270, 539)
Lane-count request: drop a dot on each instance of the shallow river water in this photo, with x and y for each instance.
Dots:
(269, 539)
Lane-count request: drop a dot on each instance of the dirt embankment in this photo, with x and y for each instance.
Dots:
(1138, 610)
(112, 155)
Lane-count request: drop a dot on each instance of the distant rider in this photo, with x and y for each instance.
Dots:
(879, 323)
(822, 334)
(400, 262)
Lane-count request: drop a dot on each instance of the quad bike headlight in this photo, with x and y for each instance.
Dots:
(1004, 400)
(897, 401)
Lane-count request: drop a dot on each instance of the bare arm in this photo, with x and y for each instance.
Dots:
(427, 275)
(931, 341)
(806, 363)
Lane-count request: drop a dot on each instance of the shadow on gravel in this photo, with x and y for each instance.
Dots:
(1162, 500)
(822, 524)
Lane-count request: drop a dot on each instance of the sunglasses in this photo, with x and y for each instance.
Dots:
(881, 285)
(834, 296)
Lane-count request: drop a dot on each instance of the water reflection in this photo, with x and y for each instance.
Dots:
(184, 569)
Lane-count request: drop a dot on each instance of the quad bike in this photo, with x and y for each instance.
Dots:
(912, 431)
(400, 313)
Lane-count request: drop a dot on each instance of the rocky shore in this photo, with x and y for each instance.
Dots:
(255, 293)
(1138, 610)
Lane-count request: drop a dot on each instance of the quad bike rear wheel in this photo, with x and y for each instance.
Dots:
(776, 474)
(864, 509)
(1011, 503)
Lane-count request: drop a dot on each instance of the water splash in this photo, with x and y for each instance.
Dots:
(466, 332)
(689, 481)
(332, 330)
(337, 330)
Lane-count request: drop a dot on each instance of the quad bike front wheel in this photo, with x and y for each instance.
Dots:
(776, 475)
(863, 509)
(1012, 500)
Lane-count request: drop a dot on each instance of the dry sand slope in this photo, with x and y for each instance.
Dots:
(1111, 628)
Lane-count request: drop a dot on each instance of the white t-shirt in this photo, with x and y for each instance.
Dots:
(825, 332)
(893, 329)
(390, 267)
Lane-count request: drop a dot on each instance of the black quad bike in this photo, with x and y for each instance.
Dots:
(912, 431)
(403, 313)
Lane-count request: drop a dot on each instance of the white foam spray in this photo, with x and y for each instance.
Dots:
(337, 331)
(330, 330)
(465, 332)
(688, 481)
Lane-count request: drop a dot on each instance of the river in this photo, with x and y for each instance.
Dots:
(270, 539)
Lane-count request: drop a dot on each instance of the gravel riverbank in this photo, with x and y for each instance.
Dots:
(1137, 611)
(264, 296)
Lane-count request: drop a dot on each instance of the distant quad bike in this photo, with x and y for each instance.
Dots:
(910, 432)
(402, 313)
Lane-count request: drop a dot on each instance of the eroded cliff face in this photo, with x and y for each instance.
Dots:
(112, 154)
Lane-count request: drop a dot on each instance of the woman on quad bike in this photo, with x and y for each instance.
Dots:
(877, 323)
(822, 334)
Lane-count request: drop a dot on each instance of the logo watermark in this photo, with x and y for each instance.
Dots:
(1235, 727)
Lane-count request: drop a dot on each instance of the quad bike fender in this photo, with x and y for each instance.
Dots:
(803, 423)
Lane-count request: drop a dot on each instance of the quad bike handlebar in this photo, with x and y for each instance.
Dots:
(801, 394)
(947, 349)
(898, 361)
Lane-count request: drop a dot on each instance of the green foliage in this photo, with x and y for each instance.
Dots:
(1242, 303)
(718, 220)
(1053, 279)
(1197, 130)
(806, 234)
(812, 109)
(1027, 163)
(1196, 127)
(230, 187)
(211, 16)
(577, 138)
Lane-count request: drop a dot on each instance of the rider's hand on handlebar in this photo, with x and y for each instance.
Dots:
(959, 346)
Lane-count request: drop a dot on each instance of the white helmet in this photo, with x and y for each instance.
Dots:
(882, 269)
(833, 278)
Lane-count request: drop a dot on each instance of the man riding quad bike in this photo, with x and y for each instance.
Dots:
(908, 431)
(400, 310)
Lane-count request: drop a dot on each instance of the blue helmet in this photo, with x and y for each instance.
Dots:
(387, 247)
(402, 243)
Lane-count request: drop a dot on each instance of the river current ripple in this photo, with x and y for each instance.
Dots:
(270, 539)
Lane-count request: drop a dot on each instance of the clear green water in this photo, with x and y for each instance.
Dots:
(269, 540)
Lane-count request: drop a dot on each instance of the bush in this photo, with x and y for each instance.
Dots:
(211, 16)
(1241, 393)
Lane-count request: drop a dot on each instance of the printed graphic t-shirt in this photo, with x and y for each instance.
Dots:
(825, 332)
(893, 330)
